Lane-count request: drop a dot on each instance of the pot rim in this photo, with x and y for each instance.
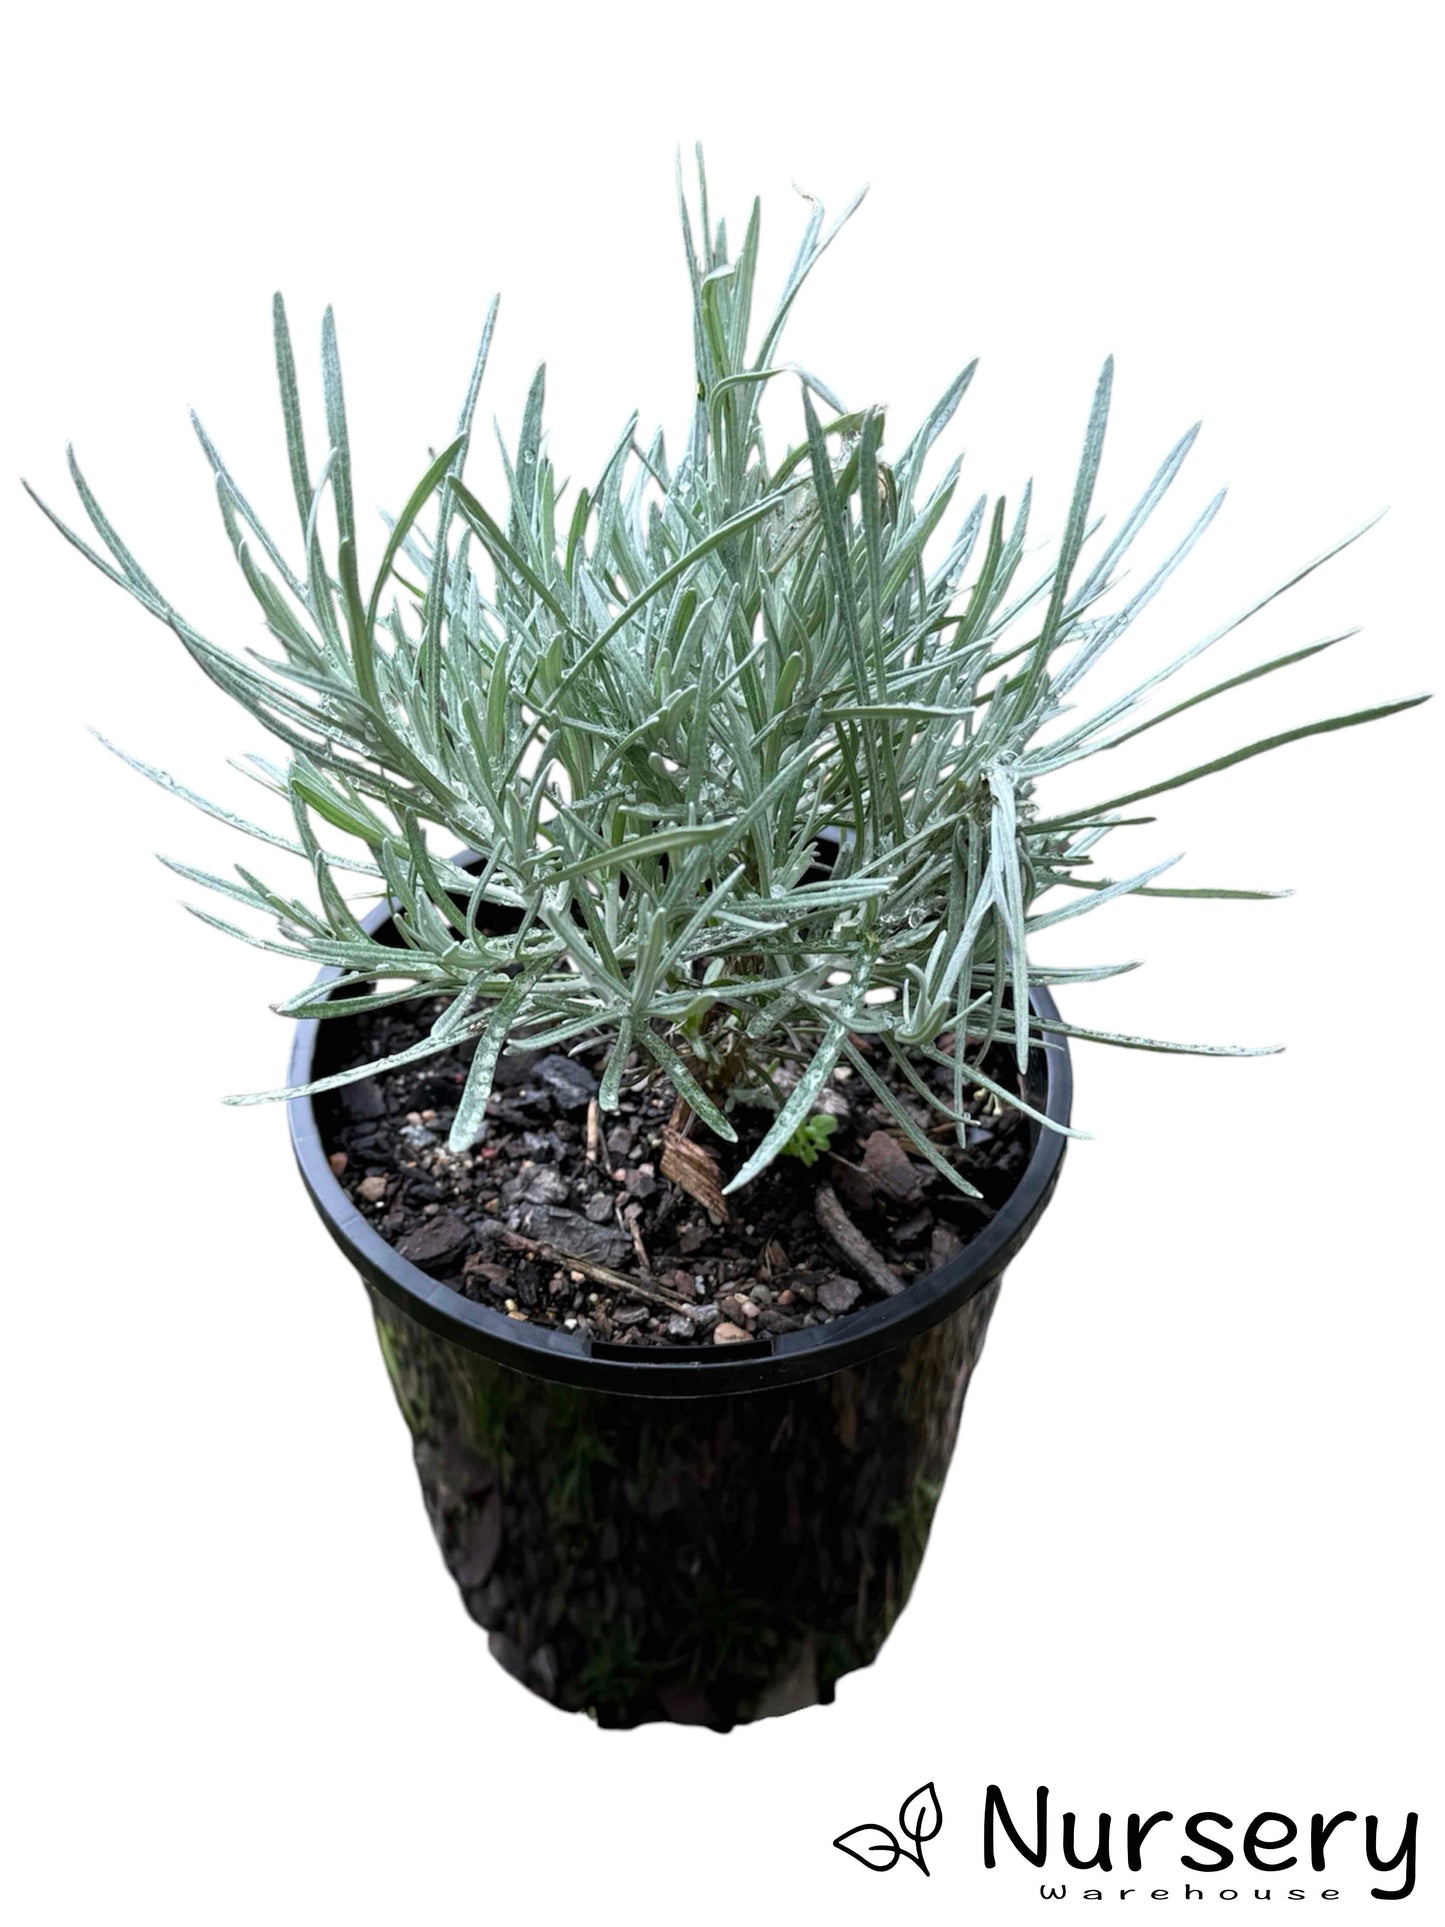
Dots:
(575, 1358)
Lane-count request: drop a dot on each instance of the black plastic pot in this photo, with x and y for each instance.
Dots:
(701, 1534)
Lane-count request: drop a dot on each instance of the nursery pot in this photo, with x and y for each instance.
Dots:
(704, 1534)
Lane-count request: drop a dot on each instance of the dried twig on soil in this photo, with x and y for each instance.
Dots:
(628, 1216)
(599, 1274)
(852, 1246)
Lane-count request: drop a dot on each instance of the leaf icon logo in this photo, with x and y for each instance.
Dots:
(871, 1844)
(921, 1816)
(879, 1848)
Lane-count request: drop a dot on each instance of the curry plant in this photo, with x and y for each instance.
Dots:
(649, 707)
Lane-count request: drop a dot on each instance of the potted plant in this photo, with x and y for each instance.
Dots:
(688, 1086)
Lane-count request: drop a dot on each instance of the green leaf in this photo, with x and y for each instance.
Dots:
(801, 1098)
(222, 815)
(1056, 1027)
(416, 502)
(1260, 748)
(472, 1108)
(916, 1138)
(1074, 531)
(341, 489)
(427, 1047)
(616, 1064)
(291, 411)
(685, 1083)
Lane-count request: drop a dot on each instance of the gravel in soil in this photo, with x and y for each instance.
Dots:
(563, 1216)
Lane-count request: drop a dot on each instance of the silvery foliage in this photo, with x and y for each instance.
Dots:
(645, 710)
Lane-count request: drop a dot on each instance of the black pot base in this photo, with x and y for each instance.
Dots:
(701, 1561)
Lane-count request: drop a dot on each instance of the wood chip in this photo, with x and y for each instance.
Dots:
(889, 1165)
(695, 1169)
(942, 1245)
(438, 1241)
(494, 1274)
(858, 1186)
(850, 1244)
(594, 1133)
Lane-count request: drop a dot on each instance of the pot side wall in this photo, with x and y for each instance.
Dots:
(708, 1560)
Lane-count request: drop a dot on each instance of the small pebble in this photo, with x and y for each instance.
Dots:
(838, 1295)
(338, 1162)
(777, 1322)
(363, 1102)
(572, 1085)
(728, 1334)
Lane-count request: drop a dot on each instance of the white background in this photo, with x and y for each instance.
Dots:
(1186, 1558)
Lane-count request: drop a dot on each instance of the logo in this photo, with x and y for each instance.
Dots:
(879, 1848)
(1270, 1844)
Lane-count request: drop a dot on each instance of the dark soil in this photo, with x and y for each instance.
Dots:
(563, 1217)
